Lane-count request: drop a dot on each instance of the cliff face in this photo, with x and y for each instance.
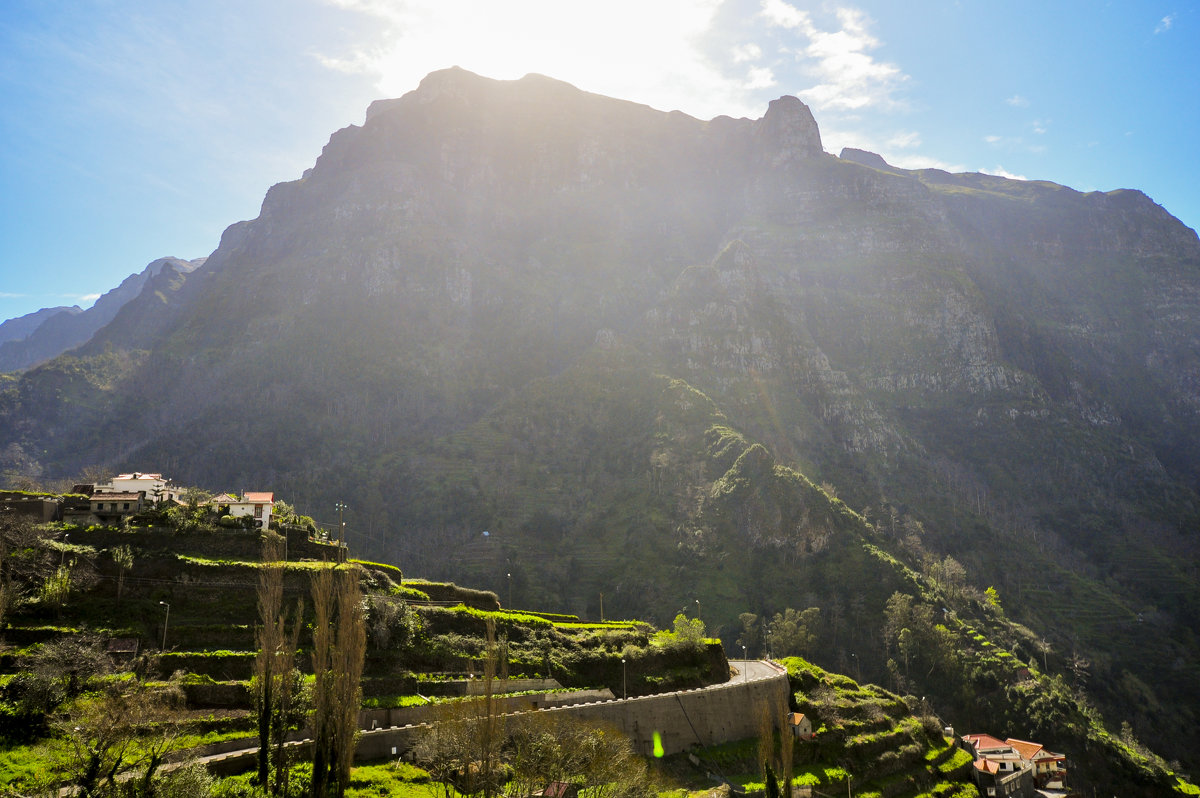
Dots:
(519, 307)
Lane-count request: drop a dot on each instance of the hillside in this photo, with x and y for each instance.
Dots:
(174, 607)
(672, 360)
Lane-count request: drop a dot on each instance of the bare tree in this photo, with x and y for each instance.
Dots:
(339, 649)
(108, 738)
(463, 748)
(274, 669)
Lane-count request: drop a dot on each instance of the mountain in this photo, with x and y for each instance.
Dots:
(59, 329)
(705, 365)
(21, 326)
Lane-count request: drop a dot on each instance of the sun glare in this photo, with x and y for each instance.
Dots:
(648, 52)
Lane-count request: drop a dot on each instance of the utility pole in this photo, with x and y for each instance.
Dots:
(166, 621)
(341, 508)
(601, 608)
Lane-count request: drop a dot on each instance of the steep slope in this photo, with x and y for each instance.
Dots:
(63, 331)
(627, 343)
(20, 327)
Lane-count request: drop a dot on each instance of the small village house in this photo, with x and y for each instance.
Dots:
(800, 724)
(255, 504)
(112, 508)
(1013, 767)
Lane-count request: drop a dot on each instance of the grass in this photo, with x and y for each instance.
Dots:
(394, 779)
(394, 701)
(27, 768)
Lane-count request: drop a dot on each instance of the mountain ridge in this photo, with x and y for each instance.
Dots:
(485, 268)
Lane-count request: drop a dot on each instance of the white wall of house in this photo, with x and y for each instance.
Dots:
(259, 507)
(137, 481)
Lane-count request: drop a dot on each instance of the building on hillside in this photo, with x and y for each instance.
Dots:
(221, 500)
(255, 504)
(154, 486)
(800, 725)
(1049, 768)
(38, 509)
(1012, 766)
(996, 783)
(112, 507)
(75, 508)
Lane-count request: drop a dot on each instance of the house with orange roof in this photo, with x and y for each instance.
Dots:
(1013, 767)
(255, 504)
(1049, 768)
(800, 725)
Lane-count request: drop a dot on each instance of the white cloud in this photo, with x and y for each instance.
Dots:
(653, 53)
(784, 15)
(1039, 126)
(1017, 101)
(904, 140)
(746, 52)
(1000, 171)
(1165, 24)
(993, 139)
(760, 78)
(892, 150)
(7, 295)
(911, 161)
(848, 77)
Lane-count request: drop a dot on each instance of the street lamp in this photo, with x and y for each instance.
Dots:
(166, 620)
(624, 684)
(697, 609)
(745, 666)
(510, 604)
(62, 554)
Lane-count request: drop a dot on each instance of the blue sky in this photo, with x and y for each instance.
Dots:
(133, 130)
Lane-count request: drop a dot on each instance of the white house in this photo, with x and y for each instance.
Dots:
(153, 486)
(258, 505)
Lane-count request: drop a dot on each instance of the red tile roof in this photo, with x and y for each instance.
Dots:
(258, 498)
(1026, 749)
(985, 742)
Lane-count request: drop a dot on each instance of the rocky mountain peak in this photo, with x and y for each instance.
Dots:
(789, 131)
(864, 157)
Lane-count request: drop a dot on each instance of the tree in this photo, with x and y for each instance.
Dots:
(792, 633)
(463, 749)
(339, 648)
(689, 632)
(123, 558)
(118, 731)
(751, 635)
(275, 678)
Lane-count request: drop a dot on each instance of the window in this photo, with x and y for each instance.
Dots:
(258, 511)
(126, 506)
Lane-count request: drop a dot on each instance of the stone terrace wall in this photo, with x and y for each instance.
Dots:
(706, 716)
